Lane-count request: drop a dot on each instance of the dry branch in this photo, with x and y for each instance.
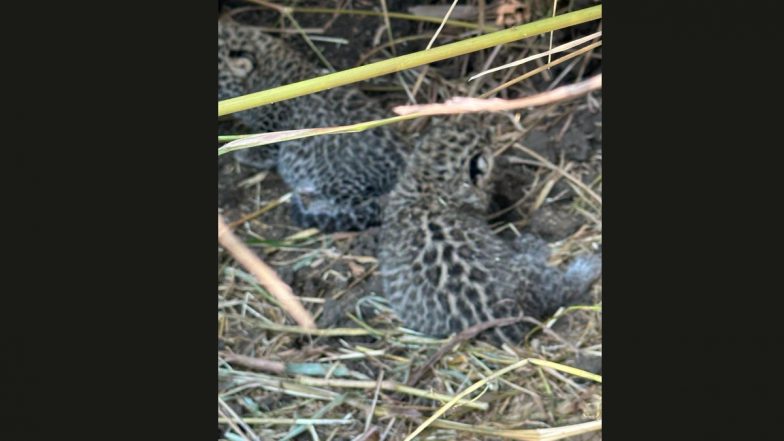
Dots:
(470, 105)
(266, 276)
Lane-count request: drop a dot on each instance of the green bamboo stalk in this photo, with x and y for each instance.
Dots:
(404, 62)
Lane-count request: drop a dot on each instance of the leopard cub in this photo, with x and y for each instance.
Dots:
(443, 268)
(338, 182)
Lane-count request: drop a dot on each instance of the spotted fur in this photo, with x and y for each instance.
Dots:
(443, 269)
(337, 181)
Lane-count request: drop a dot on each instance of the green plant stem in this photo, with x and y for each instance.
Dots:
(404, 62)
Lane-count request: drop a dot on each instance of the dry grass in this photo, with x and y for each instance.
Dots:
(454, 106)
(360, 375)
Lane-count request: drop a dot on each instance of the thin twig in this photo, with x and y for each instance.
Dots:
(332, 332)
(441, 26)
(264, 274)
(462, 394)
(555, 5)
(395, 15)
(560, 170)
(548, 434)
(289, 421)
(375, 401)
(471, 105)
(286, 11)
(541, 69)
(388, 25)
(248, 217)
(237, 418)
(390, 386)
(465, 334)
(276, 367)
(555, 50)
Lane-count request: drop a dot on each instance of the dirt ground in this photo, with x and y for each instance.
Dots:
(337, 278)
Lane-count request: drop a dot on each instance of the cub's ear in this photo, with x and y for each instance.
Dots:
(241, 63)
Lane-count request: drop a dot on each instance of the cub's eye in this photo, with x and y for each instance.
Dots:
(478, 169)
(241, 62)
